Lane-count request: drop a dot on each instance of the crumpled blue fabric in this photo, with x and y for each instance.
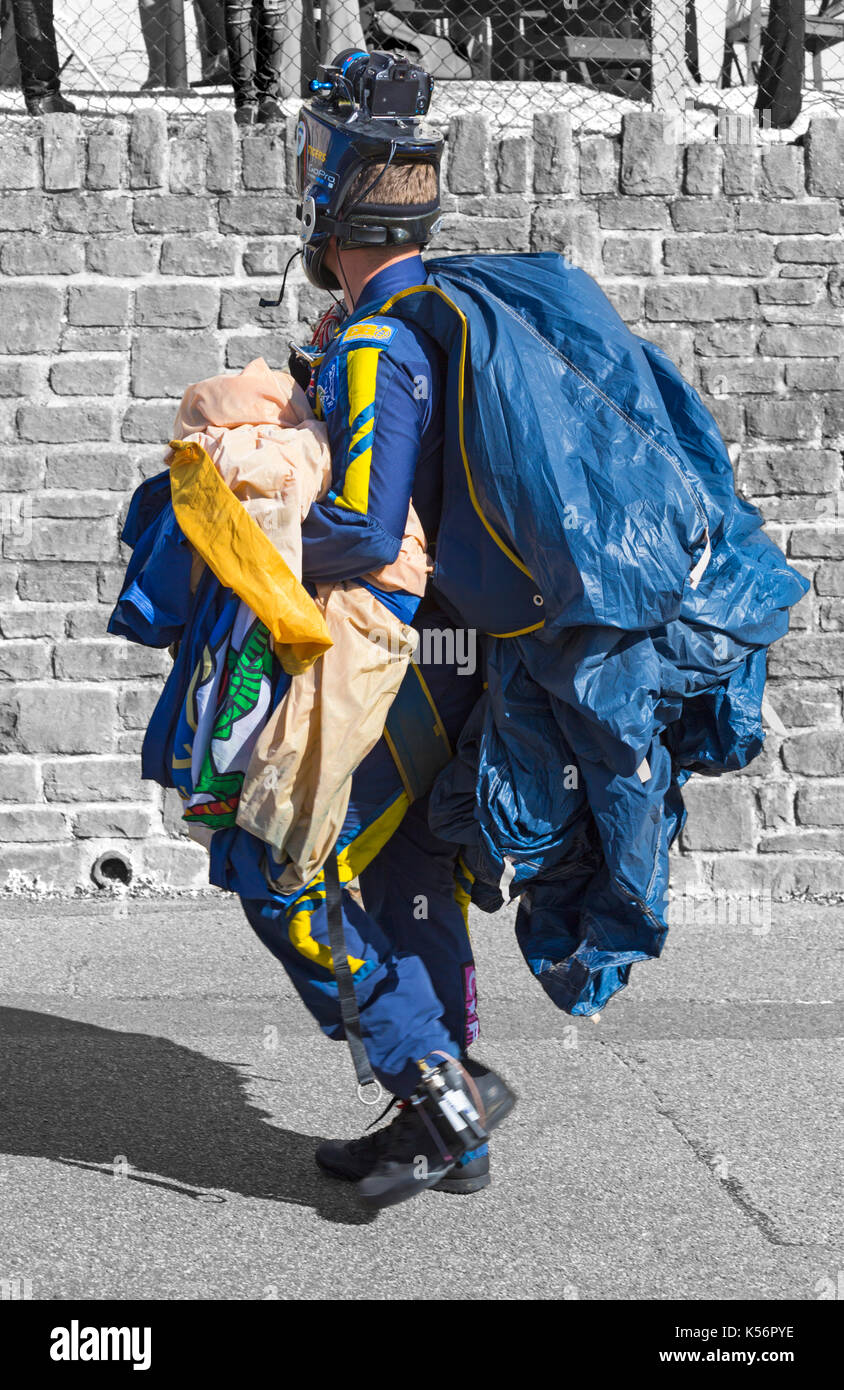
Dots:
(604, 471)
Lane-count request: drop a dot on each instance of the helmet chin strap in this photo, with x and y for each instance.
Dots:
(346, 286)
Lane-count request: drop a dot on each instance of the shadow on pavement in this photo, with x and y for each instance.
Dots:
(153, 1112)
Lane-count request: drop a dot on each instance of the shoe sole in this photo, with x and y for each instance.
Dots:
(461, 1186)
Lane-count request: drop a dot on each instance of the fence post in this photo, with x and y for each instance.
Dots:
(668, 54)
(176, 50)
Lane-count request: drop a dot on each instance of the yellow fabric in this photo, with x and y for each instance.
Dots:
(243, 558)
(299, 933)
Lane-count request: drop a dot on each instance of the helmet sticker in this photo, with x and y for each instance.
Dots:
(301, 137)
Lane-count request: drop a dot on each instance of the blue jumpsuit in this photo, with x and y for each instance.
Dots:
(379, 389)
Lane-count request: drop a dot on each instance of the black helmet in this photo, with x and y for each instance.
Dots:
(366, 110)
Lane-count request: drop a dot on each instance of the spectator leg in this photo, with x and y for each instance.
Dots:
(211, 37)
(241, 46)
(153, 17)
(279, 48)
(36, 44)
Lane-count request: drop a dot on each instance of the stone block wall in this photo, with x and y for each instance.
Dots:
(132, 257)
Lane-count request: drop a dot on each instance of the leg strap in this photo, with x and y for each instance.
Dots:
(345, 983)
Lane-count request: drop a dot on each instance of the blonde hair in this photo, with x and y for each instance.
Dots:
(403, 185)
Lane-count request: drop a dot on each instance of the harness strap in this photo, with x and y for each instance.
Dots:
(345, 984)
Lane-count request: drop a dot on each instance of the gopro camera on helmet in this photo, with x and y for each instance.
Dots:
(365, 117)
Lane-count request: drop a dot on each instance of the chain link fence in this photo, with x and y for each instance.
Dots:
(596, 58)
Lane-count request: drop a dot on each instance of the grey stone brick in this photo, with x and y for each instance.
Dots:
(165, 362)
(741, 375)
(55, 424)
(32, 824)
(798, 292)
(148, 149)
(19, 162)
(171, 212)
(720, 816)
(30, 317)
(61, 135)
(24, 212)
(269, 257)
(95, 306)
(782, 174)
(54, 538)
(93, 376)
(221, 145)
(254, 214)
(805, 704)
(512, 164)
(703, 215)
(818, 753)
(92, 213)
(187, 165)
(241, 349)
(19, 780)
(122, 258)
(626, 298)
(72, 718)
(148, 422)
(788, 219)
(718, 255)
(200, 255)
(483, 233)
(704, 169)
(263, 163)
(42, 256)
(76, 339)
(699, 301)
(821, 806)
(114, 822)
(24, 661)
(823, 250)
(19, 378)
(815, 374)
(782, 419)
(795, 341)
(768, 471)
(107, 158)
(650, 156)
(466, 154)
(825, 156)
(572, 230)
(629, 255)
(553, 153)
(633, 214)
(176, 305)
(68, 581)
(801, 655)
(109, 659)
(741, 166)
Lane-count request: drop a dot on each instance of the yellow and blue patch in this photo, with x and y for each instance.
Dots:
(380, 333)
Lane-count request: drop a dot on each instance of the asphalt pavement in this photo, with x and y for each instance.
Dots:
(163, 1092)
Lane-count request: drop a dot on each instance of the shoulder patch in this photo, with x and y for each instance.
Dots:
(380, 333)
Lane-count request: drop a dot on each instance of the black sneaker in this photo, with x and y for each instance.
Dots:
(356, 1158)
(415, 1155)
(269, 111)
